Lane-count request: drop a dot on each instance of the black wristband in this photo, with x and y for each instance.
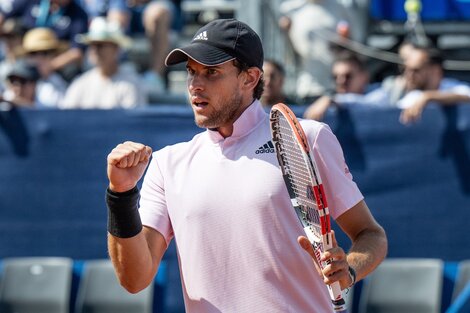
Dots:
(123, 214)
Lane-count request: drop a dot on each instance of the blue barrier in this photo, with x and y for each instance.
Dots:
(53, 174)
(416, 179)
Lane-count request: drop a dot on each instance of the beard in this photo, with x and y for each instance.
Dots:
(224, 113)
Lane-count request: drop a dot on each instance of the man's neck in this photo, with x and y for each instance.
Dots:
(109, 70)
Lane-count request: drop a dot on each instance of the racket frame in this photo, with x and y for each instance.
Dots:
(325, 243)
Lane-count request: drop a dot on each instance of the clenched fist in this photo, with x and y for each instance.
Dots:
(126, 165)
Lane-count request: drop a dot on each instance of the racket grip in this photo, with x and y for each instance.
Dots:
(337, 297)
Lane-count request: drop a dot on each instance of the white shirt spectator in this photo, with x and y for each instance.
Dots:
(94, 91)
(50, 92)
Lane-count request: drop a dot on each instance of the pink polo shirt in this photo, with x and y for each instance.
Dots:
(225, 204)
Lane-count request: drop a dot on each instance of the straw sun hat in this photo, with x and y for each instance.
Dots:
(42, 39)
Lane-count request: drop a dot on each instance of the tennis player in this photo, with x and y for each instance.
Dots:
(222, 198)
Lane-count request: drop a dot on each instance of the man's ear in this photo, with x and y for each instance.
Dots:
(253, 75)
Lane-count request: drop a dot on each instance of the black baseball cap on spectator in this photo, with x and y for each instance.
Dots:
(24, 70)
(221, 41)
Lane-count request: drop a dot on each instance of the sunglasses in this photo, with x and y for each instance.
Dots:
(42, 53)
(347, 76)
(99, 45)
(19, 81)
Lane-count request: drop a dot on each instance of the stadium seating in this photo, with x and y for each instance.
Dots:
(36, 285)
(461, 292)
(100, 292)
(405, 286)
(463, 278)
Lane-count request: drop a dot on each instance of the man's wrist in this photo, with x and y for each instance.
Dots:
(120, 189)
(352, 276)
(123, 215)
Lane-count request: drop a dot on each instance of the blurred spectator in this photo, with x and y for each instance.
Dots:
(351, 79)
(115, 11)
(108, 84)
(11, 36)
(41, 46)
(425, 84)
(310, 25)
(65, 17)
(395, 86)
(161, 21)
(21, 85)
(274, 75)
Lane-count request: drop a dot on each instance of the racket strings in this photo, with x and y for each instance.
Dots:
(298, 173)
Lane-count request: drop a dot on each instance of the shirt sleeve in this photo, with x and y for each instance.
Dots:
(341, 191)
(152, 206)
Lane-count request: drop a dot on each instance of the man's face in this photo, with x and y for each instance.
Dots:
(22, 88)
(273, 81)
(102, 53)
(417, 70)
(215, 93)
(349, 78)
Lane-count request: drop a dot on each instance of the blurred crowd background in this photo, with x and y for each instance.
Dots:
(110, 54)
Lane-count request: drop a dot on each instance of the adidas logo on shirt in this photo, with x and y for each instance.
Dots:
(201, 36)
(266, 148)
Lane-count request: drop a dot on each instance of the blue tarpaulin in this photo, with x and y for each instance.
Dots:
(416, 179)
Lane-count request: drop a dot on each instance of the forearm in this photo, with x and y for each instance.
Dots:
(136, 251)
(133, 261)
(73, 55)
(445, 98)
(367, 251)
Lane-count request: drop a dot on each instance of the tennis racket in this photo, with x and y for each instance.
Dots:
(305, 187)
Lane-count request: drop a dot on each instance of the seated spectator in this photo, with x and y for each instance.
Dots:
(115, 11)
(425, 84)
(11, 36)
(41, 46)
(107, 85)
(274, 75)
(65, 17)
(351, 79)
(161, 21)
(395, 86)
(21, 85)
(310, 25)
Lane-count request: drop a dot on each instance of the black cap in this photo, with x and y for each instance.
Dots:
(23, 70)
(220, 41)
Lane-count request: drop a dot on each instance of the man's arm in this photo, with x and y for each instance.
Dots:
(413, 113)
(369, 247)
(369, 241)
(316, 110)
(136, 259)
(135, 251)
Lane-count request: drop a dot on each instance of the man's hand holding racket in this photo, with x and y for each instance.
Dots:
(337, 270)
(126, 165)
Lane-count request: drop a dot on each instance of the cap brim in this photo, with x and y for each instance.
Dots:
(202, 53)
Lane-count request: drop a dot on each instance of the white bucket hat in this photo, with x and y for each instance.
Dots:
(103, 31)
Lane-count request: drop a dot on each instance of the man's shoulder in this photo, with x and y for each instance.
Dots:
(312, 128)
(449, 83)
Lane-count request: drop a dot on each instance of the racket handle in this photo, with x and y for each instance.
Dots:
(337, 297)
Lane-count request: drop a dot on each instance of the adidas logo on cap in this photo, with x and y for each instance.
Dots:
(201, 36)
(266, 148)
